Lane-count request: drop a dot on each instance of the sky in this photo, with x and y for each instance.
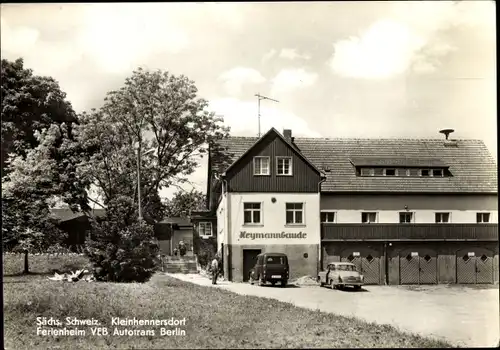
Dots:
(338, 69)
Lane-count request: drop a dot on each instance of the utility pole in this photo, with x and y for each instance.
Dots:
(139, 180)
(260, 97)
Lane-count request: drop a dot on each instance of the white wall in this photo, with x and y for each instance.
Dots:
(273, 218)
(419, 216)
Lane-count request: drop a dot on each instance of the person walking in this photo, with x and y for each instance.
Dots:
(215, 270)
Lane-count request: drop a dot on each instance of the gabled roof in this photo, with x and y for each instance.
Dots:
(257, 141)
(473, 168)
(176, 221)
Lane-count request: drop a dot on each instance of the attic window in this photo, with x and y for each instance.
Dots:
(261, 166)
(390, 172)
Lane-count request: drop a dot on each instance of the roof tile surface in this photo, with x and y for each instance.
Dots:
(472, 166)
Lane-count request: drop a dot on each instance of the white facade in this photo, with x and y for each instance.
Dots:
(272, 228)
(418, 216)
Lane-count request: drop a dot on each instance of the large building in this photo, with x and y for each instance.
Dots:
(404, 211)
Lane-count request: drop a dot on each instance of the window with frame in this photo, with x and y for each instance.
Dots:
(367, 172)
(205, 229)
(405, 217)
(390, 172)
(261, 166)
(437, 172)
(327, 216)
(425, 172)
(294, 213)
(252, 213)
(368, 217)
(442, 218)
(284, 165)
(482, 218)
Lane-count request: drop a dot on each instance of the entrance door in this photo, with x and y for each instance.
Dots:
(418, 266)
(408, 269)
(484, 269)
(249, 260)
(474, 265)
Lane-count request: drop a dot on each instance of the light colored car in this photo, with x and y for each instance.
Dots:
(339, 275)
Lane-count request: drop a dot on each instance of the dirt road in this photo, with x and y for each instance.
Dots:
(465, 316)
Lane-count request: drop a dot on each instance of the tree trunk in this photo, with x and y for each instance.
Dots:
(26, 265)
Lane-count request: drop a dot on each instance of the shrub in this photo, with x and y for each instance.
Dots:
(122, 252)
(205, 249)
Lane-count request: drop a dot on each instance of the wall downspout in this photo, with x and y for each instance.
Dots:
(386, 264)
(320, 246)
(227, 220)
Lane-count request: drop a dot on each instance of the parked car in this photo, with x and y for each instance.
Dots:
(270, 267)
(341, 274)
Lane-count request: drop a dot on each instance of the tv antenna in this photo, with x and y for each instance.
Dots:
(259, 98)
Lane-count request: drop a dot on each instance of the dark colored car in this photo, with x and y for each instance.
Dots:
(270, 267)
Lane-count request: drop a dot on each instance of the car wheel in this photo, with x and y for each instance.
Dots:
(283, 283)
(273, 283)
(357, 287)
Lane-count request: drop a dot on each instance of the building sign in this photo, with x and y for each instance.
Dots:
(414, 254)
(471, 254)
(355, 253)
(271, 235)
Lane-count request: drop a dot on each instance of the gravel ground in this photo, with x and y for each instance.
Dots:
(462, 315)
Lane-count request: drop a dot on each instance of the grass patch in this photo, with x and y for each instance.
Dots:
(13, 264)
(214, 318)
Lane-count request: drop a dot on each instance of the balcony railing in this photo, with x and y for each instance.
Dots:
(409, 232)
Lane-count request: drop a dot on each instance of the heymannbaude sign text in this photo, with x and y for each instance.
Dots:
(280, 235)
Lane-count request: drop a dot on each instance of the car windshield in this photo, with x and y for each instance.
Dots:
(275, 260)
(346, 267)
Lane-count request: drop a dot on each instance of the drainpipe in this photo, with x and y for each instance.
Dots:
(227, 222)
(386, 264)
(320, 246)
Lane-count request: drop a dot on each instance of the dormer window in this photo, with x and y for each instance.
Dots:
(437, 172)
(261, 166)
(390, 172)
(425, 172)
(367, 172)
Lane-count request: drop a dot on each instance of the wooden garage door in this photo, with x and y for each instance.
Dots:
(367, 261)
(418, 266)
(475, 265)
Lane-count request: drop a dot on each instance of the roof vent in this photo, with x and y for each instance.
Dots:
(446, 132)
(450, 143)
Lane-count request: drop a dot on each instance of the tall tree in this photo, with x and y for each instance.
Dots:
(156, 124)
(184, 202)
(29, 190)
(29, 103)
(157, 116)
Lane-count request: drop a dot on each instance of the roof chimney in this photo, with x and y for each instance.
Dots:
(446, 132)
(287, 134)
